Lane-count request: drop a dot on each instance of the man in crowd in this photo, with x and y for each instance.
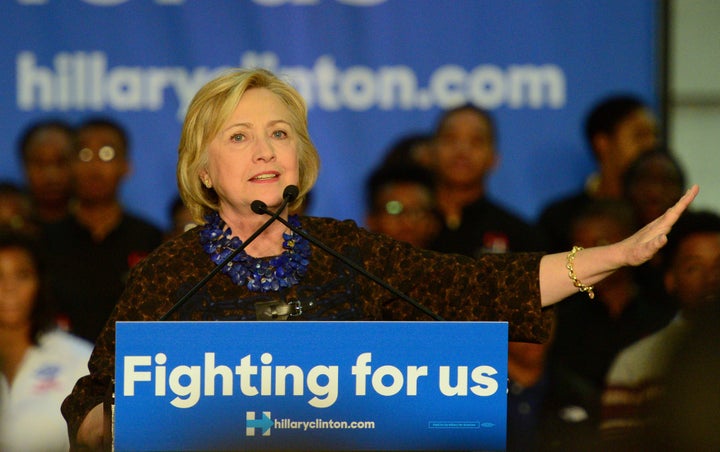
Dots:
(93, 250)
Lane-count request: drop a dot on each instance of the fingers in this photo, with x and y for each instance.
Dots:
(648, 241)
(673, 213)
(686, 199)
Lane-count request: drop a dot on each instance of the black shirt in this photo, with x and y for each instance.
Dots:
(489, 228)
(87, 277)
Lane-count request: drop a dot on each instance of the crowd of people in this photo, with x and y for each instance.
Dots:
(581, 375)
(574, 391)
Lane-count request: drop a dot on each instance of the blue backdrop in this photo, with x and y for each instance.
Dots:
(371, 70)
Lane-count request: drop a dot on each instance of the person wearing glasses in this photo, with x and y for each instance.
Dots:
(93, 250)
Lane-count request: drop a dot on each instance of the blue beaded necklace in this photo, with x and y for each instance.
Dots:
(259, 275)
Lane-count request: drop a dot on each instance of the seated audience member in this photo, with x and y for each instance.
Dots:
(93, 250)
(39, 364)
(527, 390)
(401, 204)
(46, 149)
(15, 208)
(464, 156)
(685, 417)
(545, 413)
(637, 376)
(546, 410)
(653, 183)
(617, 130)
(590, 333)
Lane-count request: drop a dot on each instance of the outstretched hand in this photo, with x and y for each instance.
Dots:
(595, 263)
(645, 243)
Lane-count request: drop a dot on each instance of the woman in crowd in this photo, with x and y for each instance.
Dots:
(245, 138)
(39, 364)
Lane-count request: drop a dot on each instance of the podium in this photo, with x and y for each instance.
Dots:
(310, 386)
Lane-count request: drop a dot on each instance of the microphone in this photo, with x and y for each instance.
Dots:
(289, 195)
(261, 208)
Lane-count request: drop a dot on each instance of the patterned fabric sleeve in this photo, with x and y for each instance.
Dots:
(495, 287)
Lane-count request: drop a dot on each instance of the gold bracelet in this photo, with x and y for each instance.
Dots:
(571, 273)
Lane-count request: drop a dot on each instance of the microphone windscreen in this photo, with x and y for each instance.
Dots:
(258, 207)
(291, 193)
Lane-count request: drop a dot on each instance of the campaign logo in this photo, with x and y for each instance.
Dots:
(252, 424)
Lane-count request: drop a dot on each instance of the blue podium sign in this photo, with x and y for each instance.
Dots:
(310, 386)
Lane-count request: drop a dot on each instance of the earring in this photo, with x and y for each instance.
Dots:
(207, 183)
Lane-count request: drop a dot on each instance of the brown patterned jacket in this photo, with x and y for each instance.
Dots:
(495, 287)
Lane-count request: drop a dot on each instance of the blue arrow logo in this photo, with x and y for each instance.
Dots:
(265, 423)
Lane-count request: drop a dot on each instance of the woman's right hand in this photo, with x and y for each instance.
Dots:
(90, 435)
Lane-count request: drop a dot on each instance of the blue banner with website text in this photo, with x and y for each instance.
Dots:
(372, 71)
(310, 386)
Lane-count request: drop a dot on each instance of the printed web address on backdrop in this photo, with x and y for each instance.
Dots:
(263, 423)
(87, 81)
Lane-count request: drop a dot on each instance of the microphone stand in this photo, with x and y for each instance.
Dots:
(287, 198)
(261, 208)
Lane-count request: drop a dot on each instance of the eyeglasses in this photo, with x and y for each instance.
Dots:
(397, 209)
(104, 154)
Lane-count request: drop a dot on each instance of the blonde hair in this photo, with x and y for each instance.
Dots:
(210, 108)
